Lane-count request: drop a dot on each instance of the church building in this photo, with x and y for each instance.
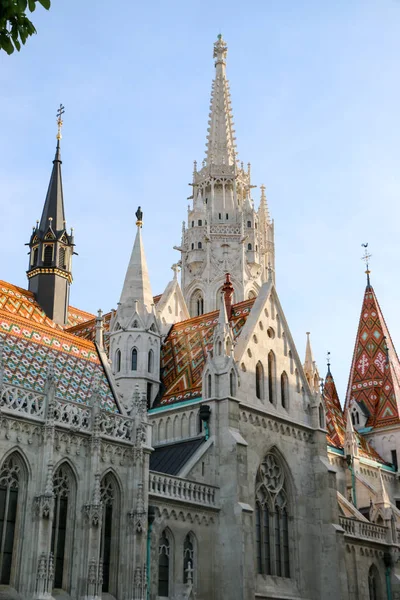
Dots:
(179, 447)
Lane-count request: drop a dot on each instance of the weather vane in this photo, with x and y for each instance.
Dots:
(60, 112)
(366, 258)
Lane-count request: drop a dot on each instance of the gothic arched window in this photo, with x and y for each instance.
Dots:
(164, 550)
(109, 533)
(134, 357)
(259, 381)
(209, 385)
(249, 247)
(271, 377)
(62, 492)
(284, 390)
(197, 304)
(189, 557)
(35, 256)
(271, 515)
(150, 361)
(118, 361)
(232, 383)
(373, 583)
(199, 245)
(48, 255)
(321, 414)
(61, 258)
(10, 475)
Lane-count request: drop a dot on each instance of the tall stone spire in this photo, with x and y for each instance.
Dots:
(224, 233)
(221, 147)
(51, 247)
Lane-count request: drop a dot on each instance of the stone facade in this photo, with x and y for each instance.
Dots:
(178, 447)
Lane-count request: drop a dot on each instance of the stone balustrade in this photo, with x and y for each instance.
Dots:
(363, 529)
(175, 488)
(15, 399)
(18, 401)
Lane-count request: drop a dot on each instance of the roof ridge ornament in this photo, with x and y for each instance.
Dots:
(60, 112)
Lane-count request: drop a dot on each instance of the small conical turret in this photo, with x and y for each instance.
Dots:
(350, 440)
(136, 286)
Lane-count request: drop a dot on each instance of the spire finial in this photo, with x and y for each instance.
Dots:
(60, 112)
(139, 217)
(366, 258)
(220, 50)
(328, 362)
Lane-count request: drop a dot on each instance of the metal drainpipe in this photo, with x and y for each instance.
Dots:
(387, 559)
(151, 515)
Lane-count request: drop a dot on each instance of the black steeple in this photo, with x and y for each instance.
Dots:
(51, 247)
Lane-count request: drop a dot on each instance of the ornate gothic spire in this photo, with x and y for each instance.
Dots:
(374, 382)
(263, 210)
(310, 367)
(221, 146)
(137, 286)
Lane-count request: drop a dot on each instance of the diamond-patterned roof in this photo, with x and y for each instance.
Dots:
(184, 352)
(32, 340)
(336, 423)
(375, 369)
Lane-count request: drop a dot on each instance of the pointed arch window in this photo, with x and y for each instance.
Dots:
(321, 415)
(249, 247)
(35, 254)
(164, 550)
(150, 361)
(109, 533)
(271, 519)
(271, 378)
(118, 361)
(197, 304)
(48, 255)
(189, 558)
(374, 583)
(232, 383)
(199, 245)
(259, 381)
(134, 358)
(62, 492)
(209, 385)
(10, 476)
(61, 258)
(284, 390)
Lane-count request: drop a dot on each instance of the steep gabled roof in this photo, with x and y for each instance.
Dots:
(336, 423)
(31, 341)
(375, 369)
(184, 353)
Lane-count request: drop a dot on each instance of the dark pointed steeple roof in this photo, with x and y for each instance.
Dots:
(374, 381)
(54, 204)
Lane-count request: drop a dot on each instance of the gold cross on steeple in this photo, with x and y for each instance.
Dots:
(366, 258)
(60, 112)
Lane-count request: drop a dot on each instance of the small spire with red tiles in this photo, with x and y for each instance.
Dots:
(227, 290)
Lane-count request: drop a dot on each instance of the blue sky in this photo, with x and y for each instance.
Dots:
(316, 95)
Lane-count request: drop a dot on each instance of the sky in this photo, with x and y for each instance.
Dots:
(315, 94)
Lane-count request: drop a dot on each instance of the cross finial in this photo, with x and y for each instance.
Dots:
(220, 50)
(60, 112)
(366, 258)
(176, 268)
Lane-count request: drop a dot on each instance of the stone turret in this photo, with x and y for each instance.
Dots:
(134, 331)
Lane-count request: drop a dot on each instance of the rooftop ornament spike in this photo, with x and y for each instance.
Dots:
(366, 258)
(328, 362)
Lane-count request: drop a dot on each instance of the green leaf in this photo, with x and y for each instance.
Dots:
(31, 5)
(6, 44)
(17, 45)
(45, 3)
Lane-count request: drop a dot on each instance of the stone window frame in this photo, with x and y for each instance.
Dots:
(71, 491)
(116, 500)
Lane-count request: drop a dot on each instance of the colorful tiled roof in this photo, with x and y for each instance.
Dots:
(31, 341)
(184, 352)
(375, 370)
(336, 423)
(77, 316)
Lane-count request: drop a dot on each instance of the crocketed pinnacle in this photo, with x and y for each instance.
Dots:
(221, 147)
(53, 210)
(263, 210)
(137, 282)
